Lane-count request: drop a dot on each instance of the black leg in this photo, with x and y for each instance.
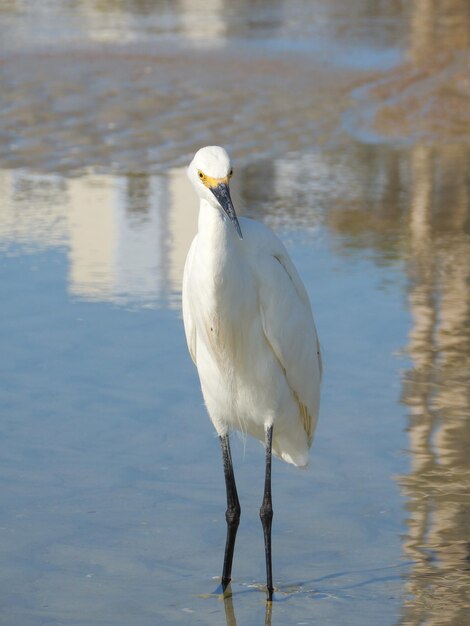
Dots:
(232, 514)
(266, 514)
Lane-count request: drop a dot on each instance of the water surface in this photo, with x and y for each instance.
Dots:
(349, 138)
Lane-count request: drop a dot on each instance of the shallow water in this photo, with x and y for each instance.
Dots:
(111, 481)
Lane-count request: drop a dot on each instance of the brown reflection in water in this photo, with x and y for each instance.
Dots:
(437, 27)
(436, 390)
(418, 213)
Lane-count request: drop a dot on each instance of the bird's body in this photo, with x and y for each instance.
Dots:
(250, 332)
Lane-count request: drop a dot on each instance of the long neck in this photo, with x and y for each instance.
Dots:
(215, 240)
(211, 224)
(213, 231)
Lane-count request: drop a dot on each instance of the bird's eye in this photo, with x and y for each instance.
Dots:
(201, 175)
(230, 174)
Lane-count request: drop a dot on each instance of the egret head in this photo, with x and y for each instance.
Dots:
(210, 172)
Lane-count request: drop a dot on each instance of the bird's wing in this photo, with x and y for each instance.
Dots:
(189, 326)
(289, 328)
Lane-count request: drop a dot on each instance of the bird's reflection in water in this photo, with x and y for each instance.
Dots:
(229, 610)
(230, 618)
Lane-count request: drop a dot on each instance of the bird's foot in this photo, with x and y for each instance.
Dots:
(223, 589)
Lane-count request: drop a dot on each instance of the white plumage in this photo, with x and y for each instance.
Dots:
(248, 321)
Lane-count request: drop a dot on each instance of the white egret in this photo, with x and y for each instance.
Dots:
(250, 331)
